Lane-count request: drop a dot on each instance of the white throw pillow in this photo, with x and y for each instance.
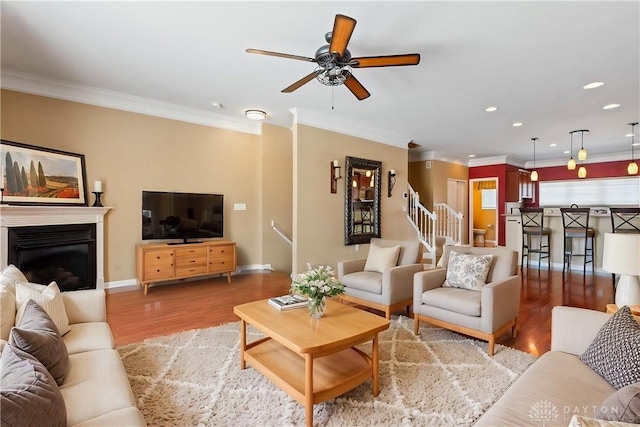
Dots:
(48, 297)
(380, 258)
(468, 271)
(8, 278)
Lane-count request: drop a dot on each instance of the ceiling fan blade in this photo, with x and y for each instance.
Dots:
(299, 83)
(356, 87)
(386, 61)
(342, 29)
(281, 55)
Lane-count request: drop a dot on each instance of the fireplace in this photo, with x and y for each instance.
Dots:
(65, 254)
(66, 234)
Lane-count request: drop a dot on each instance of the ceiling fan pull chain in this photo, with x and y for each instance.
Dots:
(333, 89)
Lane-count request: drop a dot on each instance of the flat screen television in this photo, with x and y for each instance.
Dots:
(185, 216)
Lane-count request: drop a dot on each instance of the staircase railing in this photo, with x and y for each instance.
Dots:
(449, 224)
(280, 233)
(424, 223)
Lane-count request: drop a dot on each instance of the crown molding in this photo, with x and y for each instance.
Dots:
(418, 156)
(36, 85)
(329, 122)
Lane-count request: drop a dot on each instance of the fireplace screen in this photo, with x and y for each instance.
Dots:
(65, 254)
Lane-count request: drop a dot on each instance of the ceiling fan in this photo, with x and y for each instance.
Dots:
(335, 62)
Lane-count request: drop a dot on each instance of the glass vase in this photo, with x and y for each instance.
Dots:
(317, 307)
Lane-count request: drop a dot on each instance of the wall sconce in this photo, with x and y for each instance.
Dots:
(335, 176)
(392, 180)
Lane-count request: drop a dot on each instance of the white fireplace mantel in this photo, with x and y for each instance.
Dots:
(25, 216)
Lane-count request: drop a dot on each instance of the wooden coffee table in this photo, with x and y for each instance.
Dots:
(312, 360)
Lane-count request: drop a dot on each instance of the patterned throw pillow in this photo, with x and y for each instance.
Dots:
(29, 395)
(468, 271)
(623, 405)
(614, 354)
(37, 335)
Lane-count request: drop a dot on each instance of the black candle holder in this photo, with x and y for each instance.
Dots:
(97, 203)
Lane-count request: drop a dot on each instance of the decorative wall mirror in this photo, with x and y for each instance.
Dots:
(362, 200)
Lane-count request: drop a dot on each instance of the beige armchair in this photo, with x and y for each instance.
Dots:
(383, 287)
(485, 313)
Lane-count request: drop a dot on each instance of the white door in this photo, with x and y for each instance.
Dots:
(456, 198)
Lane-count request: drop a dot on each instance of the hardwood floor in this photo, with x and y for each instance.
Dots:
(199, 304)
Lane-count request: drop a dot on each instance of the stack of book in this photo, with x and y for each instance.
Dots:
(288, 302)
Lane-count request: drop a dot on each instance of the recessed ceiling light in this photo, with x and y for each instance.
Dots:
(566, 152)
(553, 145)
(215, 104)
(255, 114)
(472, 155)
(491, 109)
(635, 143)
(610, 106)
(516, 124)
(629, 135)
(593, 85)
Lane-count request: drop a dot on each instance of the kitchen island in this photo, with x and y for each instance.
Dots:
(599, 220)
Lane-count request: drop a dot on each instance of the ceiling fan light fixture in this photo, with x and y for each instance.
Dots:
(255, 114)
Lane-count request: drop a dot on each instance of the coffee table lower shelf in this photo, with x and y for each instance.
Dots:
(332, 376)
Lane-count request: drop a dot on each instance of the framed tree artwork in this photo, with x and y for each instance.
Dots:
(33, 175)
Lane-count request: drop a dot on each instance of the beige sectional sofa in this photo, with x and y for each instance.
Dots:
(96, 390)
(558, 389)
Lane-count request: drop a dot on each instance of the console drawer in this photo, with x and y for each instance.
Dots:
(159, 258)
(191, 262)
(158, 271)
(191, 252)
(225, 252)
(191, 271)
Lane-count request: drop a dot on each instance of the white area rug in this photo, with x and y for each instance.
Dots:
(441, 378)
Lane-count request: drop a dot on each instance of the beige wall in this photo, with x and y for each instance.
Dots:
(132, 152)
(318, 223)
(420, 179)
(277, 190)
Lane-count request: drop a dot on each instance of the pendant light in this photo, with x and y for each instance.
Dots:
(571, 164)
(582, 172)
(534, 173)
(582, 154)
(632, 168)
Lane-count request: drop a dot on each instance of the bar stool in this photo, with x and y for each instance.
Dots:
(532, 220)
(575, 222)
(624, 220)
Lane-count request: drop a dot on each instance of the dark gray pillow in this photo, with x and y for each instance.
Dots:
(614, 354)
(623, 405)
(37, 335)
(29, 395)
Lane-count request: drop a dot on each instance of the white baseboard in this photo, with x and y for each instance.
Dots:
(133, 283)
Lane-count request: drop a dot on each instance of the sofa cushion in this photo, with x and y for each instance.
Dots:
(37, 335)
(623, 405)
(559, 380)
(368, 281)
(29, 394)
(454, 299)
(381, 258)
(468, 271)
(96, 384)
(48, 297)
(8, 278)
(614, 351)
(88, 337)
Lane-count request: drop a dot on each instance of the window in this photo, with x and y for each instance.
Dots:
(489, 198)
(591, 192)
